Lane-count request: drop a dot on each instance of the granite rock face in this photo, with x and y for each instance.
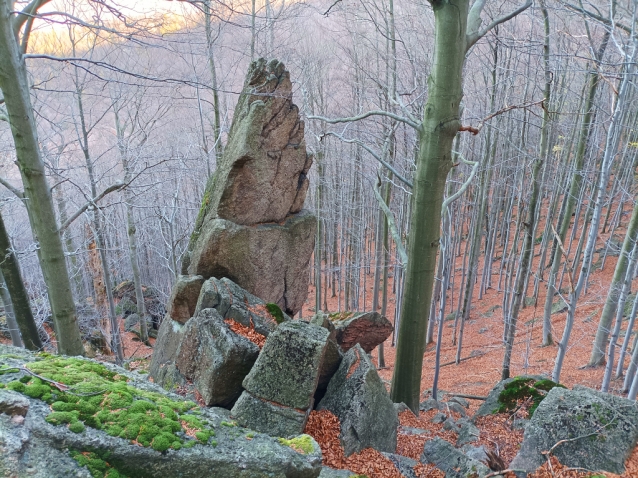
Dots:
(263, 174)
(215, 358)
(251, 227)
(269, 260)
(282, 383)
(357, 396)
(601, 431)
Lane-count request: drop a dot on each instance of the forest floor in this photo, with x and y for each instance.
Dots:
(476, 374)
(480, 368)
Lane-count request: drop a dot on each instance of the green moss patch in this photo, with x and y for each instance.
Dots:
(340, 315)
(87, 394)
(301, 444)
(523, 388)
(96, 464)
(275, 311)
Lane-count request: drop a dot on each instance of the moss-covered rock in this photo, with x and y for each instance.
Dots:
(83, 412)
(524, 388)
(593, 430)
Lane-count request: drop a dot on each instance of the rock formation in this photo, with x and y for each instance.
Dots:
(251, 227)
(204, 352)
(594, 430)
(357, 396)
(279, 389)
(113, 422)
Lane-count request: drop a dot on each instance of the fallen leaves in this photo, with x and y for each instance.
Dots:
(247, 332)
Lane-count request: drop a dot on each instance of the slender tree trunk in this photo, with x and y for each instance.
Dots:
(615, 290)
(12, 324)
(21, 306)
(15, 88)
(613, 137)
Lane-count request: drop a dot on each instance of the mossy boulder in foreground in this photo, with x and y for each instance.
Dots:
(87, 419)
(583, 428)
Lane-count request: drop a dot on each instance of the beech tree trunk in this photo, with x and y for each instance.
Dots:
(434, 160)
(15, 88)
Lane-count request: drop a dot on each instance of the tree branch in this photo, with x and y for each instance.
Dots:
(352, 119)
(463, 187)
(92, 202)
(474, 33)
(595, 16)
(369, 150)
(403, 255)
(28, 12)
(14, 190)
(500, 112)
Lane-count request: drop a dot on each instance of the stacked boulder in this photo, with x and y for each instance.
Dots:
(251, 227)
(197, 345)
(279, 390)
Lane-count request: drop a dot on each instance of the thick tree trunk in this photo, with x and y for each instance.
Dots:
(15, 88)
(440, 125)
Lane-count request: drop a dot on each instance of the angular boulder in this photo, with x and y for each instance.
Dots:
(233, 302)
(230, 302)
(368, 329)
(215, 358)
(162, 368)
(262, 176)
(181, 304)
(357, 396)
(287, 369)
(453, 462)
(600, 431)
(279, 389)
(251, 227)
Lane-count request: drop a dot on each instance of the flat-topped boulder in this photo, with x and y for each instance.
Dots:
(279, 390)
(118, 422)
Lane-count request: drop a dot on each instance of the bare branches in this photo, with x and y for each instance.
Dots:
(403, 255)
(92, 202)
(352, 119)
(474, 31)
(25, 14)
(500, 112)
(597, 17)
(14, 190)
(374, 155)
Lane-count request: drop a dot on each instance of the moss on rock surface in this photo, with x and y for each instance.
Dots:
(83, 393)
(524, 388)
(90, 419)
